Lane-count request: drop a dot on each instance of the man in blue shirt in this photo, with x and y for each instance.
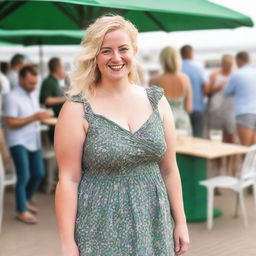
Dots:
(198, 81)
(242, 85)
(22, 116)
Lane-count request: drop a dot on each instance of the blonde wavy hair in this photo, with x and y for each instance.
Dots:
(170, 59)
(85, 74)
(227, 58)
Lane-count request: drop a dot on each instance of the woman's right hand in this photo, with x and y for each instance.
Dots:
(70, 249)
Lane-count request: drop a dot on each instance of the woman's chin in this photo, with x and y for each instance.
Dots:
(117, 77)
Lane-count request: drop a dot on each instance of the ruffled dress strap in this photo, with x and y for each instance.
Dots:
(87, 107)
(155, 93)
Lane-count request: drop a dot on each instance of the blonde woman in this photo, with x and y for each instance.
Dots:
(177, 88)
(115, 147)
(221, 107)
(221, 114)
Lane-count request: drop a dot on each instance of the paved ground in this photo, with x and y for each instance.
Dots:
(228, 237)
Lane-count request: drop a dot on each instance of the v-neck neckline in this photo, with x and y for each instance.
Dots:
(120, 126)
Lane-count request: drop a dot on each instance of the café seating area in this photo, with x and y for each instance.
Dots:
(229, 237)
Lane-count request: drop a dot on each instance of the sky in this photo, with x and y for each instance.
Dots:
(247, 7)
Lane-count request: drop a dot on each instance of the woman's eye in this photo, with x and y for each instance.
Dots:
(105, 52)
(124, 49)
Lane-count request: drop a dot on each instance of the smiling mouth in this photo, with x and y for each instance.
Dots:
(116, 67)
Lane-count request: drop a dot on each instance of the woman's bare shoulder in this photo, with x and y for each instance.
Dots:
(72, 113)
(185, 80)
(139, 90)
(183, 76)
(71, 107)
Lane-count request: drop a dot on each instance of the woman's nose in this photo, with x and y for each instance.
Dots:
(116, 56)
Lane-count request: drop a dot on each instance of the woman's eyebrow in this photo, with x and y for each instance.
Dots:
(124, 45)
(107, 47)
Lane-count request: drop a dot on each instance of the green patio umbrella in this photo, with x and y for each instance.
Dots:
(42, 37)
(3, 43)
(148, 15)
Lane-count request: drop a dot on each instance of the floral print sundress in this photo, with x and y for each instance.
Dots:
(123, 207)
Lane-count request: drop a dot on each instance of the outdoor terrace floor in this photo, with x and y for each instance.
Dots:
(228, 237)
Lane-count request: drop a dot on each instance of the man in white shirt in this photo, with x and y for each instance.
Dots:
(22, 116)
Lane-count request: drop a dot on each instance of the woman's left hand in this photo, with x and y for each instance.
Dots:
(181, 239)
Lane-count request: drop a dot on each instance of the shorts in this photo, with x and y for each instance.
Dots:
(224, 123)
(247, 121)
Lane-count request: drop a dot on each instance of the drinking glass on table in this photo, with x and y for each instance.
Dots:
(216, 135)
(181, 132)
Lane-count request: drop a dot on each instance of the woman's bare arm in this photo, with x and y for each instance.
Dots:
(70, 134)
(171, 177)
(188, 99)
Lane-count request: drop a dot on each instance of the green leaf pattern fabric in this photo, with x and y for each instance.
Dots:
(123, 207)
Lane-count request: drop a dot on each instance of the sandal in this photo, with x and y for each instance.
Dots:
(32, 208)
(27, 218)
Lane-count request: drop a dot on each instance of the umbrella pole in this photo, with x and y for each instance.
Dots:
(41, 61)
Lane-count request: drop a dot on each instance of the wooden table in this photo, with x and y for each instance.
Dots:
(192, 157)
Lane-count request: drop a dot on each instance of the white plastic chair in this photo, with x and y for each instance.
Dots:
(49, 157)
(51, 167)
(5, 180)
(247, 178)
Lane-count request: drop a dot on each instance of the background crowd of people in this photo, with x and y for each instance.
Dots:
(26, 102)
(224, 101)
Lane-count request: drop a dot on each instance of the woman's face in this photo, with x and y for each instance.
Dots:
(115, 58)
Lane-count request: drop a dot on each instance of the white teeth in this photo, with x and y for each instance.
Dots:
(116, 66)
